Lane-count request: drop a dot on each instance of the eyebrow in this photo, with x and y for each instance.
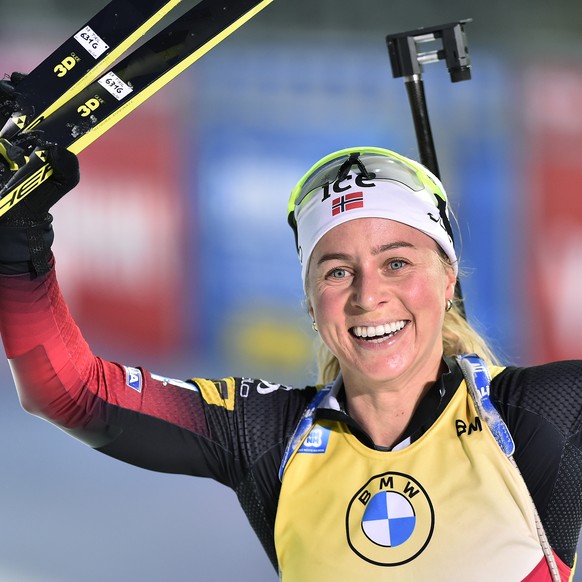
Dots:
(375, 251)
(393, 245)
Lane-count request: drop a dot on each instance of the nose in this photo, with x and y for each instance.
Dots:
(369, 291)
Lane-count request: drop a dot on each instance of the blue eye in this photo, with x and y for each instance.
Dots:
(338, 273)
(396, 264)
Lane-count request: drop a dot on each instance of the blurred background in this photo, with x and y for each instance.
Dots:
(174, 253)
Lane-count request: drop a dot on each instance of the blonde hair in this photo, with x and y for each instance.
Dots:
(459, 337)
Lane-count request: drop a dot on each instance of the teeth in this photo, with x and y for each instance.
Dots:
(379, 330)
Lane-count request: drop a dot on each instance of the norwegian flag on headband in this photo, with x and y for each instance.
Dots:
(347, 202)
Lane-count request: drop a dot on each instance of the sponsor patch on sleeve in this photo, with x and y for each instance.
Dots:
(133, 378)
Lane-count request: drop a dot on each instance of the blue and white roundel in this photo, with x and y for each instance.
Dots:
(389, 519)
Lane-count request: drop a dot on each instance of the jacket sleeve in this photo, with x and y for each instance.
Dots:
(147, 420)
(542, 406)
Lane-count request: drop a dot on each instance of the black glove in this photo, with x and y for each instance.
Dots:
(9, 97)
(26, 232)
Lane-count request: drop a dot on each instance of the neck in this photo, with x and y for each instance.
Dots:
(385, 411)
(384, 417)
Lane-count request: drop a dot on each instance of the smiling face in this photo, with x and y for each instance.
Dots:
(377, 290)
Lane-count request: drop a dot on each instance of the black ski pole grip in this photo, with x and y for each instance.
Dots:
(36, 171)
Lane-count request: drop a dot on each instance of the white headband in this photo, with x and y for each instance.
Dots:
(321, 212)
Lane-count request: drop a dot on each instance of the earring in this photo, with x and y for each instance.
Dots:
(314, 327)
(449, 305)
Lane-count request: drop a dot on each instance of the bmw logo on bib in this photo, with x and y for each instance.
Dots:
(390, 520)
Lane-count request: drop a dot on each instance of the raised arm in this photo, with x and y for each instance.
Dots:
(124, 411)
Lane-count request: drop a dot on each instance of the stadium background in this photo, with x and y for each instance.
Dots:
(174, 252)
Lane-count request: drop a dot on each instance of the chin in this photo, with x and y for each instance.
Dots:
(385, 370)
